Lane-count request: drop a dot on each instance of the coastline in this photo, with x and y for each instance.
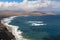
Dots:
(13, 29)
(9, 17)
(4, 33)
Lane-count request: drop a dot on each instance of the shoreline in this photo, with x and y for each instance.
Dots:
(4, 33)
(13, 29)
(9, 14)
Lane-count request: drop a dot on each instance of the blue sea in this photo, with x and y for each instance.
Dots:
(38, 27)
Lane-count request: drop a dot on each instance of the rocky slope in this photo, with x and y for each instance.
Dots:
(4, 33)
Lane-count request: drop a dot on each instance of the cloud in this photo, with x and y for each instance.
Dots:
(29, 5)
(55, 4)
(24, 5)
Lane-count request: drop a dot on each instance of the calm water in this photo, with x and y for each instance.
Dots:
(39, 27)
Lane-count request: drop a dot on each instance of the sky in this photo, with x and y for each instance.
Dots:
(31, 5)
(20, 0)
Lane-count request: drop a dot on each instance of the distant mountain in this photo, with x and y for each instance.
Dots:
(18, 13)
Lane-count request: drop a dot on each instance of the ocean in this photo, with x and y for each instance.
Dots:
(34, 27)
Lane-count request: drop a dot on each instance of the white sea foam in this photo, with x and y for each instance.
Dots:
(13, 29)
(36, 23)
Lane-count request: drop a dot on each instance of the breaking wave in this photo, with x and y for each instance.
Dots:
(36, 23)
(13, 29)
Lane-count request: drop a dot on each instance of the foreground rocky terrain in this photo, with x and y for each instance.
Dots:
(4, 33)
